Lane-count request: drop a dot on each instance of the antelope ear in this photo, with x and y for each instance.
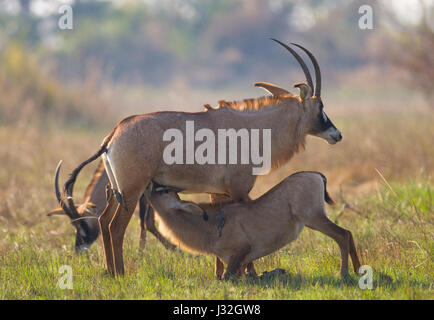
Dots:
(191, 207)
(186, 206)
(56, 212)
(305, 91)
(271, 88)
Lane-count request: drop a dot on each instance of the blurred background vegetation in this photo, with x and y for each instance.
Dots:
(125, 56)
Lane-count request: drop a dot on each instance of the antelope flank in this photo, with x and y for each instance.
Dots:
(205, 153)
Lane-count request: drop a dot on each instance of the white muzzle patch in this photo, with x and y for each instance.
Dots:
(331, 135)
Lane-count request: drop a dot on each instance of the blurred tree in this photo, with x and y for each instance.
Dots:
(202, 43)
(412, 50)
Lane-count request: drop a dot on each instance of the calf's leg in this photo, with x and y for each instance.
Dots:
(219, 268)
(235, 262)
(340, 235)
(234, 266)
(221, 198)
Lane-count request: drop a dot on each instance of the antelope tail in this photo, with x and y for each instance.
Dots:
(327, 197)
(69, 184)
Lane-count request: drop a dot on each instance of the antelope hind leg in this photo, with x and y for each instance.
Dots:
(353, 254)
(340, 235)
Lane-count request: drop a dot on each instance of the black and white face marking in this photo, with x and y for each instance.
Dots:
(87, 233)
(325, 129)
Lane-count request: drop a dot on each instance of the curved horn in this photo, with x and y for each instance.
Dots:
(69, 184)
(300, 61)
(316, 67)
(63, 205)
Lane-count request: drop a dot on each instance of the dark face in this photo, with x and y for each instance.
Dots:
(322, 126)
(87, 233)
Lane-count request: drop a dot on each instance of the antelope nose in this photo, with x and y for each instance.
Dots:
(338, 137)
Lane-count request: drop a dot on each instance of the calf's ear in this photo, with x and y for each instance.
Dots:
(186, 206)
(191, 207)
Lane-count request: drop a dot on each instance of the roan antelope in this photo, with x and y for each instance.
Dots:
(239, 233)
(133, 151)
(86, 223)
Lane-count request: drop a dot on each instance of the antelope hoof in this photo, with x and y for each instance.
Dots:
(228, 276)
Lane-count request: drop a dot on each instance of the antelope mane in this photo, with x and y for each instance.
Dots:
(254, 105)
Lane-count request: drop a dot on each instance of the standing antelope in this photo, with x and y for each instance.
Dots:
(86, 222)
(238, 233)
(133, 151)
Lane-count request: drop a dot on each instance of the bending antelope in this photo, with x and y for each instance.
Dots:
(249, 231)
(86, 222)
(133, 151)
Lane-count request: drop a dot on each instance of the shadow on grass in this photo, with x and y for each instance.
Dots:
(299, 281)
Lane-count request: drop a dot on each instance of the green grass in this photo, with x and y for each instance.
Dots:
(393, 231)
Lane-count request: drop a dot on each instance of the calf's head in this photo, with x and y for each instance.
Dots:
(166, 199)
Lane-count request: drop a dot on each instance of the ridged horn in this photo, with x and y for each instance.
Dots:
(62, 204)
(316, 67)
(300, 61)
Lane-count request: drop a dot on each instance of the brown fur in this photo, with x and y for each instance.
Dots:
(133, 151)
(255, 229)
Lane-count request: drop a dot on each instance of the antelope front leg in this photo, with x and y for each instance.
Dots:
(143, 208)
(219, 268)
(104, 222)
(234, 266)
(117, 229)
(250, 269)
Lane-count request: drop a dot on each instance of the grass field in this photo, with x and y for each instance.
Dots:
(393, 235)
(380, 176)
